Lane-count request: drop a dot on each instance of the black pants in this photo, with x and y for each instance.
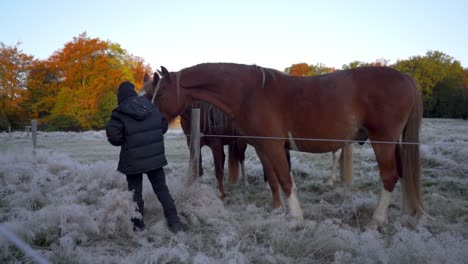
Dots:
(158, 182)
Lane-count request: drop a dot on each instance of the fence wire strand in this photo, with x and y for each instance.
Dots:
(331, 140)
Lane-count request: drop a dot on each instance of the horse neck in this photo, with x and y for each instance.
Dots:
(213, 83)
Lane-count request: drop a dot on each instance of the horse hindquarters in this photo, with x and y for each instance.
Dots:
(400, 160)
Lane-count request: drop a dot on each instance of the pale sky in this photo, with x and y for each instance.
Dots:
(270, 33)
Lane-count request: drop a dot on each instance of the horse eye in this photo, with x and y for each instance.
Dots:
(159, 94)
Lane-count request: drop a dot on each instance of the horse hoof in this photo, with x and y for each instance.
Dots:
(375, 225)
(372, 226)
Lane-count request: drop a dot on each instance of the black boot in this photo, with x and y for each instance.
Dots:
(138, 224)
(178, 227)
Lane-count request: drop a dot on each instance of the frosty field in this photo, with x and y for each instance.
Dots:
(68, 202)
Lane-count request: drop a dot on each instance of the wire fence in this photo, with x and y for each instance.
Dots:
(330, 140)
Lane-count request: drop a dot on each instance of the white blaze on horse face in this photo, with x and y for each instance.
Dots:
(294, 206)
(380, 216)
(156, 90)
(292, 144)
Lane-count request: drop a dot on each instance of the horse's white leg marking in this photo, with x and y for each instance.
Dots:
(336, 158)
(291, 141)
(294, 187)
(380, 216)
(294, 206)
(244, 175)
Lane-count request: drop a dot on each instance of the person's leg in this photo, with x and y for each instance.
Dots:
(158, 182)
(135, 185)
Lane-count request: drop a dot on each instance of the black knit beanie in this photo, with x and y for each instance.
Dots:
(126, 90)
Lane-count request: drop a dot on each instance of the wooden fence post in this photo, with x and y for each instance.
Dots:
(34, 132)
(346, 165)
(193, 171)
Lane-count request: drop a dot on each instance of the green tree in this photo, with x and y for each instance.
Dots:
(429, 71)
(356, 64)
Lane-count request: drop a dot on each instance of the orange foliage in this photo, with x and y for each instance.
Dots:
(14, 65)
(301, 69)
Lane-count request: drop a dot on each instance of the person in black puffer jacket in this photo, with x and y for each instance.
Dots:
(138, 127)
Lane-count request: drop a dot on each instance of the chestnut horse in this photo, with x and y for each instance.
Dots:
(313, 114)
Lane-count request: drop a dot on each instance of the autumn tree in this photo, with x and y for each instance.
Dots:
(303, 69)
(320, 68)
(89, 71)
(42, 89)
(299, 69)
(14, 68)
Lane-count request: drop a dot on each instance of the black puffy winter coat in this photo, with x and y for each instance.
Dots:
(138, 127)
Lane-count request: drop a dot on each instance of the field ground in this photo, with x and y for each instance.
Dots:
(68, 202)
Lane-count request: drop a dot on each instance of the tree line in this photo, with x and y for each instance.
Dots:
(441, 79)
(75, 88)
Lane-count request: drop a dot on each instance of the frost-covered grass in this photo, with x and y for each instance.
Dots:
(68, 203)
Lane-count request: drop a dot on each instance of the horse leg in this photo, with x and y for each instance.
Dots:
(336, 157)
(219, 158)
(200, 166)
(270, 175)
(242, 148)
(276, 155)
(386, 159)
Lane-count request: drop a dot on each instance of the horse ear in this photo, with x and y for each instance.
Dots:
(155, 78)
(164, 72)
(146, 78)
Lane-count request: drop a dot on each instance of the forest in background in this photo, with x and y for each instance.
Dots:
(75, 88)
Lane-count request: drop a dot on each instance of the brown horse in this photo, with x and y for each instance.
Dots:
(313, 114)
(214, 122)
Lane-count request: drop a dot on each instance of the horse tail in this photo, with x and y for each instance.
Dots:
(234, 157)
(346, 165)
(408, 157)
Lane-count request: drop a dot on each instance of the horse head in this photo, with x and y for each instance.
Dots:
(165, 93)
